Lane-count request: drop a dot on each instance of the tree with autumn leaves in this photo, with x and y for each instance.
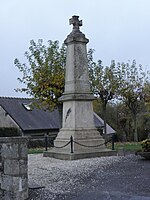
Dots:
(43, 78)
(43, 74)
(123, 82)
(103, 83)
(132, 82)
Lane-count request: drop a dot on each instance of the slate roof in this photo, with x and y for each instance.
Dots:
(109, 129)
(36, 119)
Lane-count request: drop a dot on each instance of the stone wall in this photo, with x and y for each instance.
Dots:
(13, 168)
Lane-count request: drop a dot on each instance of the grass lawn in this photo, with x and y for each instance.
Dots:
(36, 150)
(127, 146)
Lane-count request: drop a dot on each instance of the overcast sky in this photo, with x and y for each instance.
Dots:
(117, 29)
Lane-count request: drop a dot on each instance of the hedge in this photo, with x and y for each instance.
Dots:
(9, 132)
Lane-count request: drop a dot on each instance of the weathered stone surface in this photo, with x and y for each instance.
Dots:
(76, 80)
(65, 155)
(23, 150)
(14, 169)
(12, 147)
(17, 167)
(77, 100)
(76, 36)
(8, 195)
(23, 167)
(9, 150)
(11, 183)
(78, 114)
(87, 137)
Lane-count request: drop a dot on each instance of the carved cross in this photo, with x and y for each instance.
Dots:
(76, 22)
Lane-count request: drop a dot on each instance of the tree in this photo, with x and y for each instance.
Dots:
(131, 80)
(146, 114)
(103, 82)
(43, 76)
(124, 122)
(147, 95)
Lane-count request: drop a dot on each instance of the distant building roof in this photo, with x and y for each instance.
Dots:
(36, 119)
(109, 129)
(29, 119)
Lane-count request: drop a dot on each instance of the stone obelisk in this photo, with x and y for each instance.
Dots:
(77, 100)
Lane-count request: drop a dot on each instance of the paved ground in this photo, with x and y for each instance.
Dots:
(128, 179)
(110, 178)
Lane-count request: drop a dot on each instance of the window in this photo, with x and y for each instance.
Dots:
(27, 106)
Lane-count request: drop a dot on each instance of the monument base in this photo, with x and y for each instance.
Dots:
(65, 155)
(86, 143)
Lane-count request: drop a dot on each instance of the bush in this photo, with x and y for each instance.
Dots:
(146, 145)
(39, 143)
(36, 143)
(9, 132)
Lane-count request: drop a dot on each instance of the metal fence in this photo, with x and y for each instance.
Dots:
(48, 143)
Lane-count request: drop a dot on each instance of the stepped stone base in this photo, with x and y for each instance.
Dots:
(65, 155)
(88, 137)
(81, 139)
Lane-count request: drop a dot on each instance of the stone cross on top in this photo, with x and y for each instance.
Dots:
(76, 22)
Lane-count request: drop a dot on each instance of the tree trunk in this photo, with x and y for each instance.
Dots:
(104, 118)
(135, 128)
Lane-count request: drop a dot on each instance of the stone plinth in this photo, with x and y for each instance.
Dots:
(14, 168)
(77, 100)
(66, 155)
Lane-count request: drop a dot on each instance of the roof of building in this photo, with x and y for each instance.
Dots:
(34, 119)
(28, 120)
(109, 129)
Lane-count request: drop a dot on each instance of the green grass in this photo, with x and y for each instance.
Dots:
(127, 146)
(35, 151)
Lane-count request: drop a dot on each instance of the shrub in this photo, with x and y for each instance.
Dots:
(9, 132)
(146, 145)
(35, 143)
(39, 143)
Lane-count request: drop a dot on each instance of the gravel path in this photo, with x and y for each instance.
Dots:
(69, 179)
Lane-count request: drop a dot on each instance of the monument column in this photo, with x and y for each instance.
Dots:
(77, 98)
(78, 120)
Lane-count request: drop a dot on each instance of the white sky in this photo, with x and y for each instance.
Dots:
(117, 29)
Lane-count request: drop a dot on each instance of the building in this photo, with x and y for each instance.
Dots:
(19, 113)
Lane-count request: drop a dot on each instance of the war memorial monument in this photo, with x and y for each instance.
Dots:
(78, 122)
